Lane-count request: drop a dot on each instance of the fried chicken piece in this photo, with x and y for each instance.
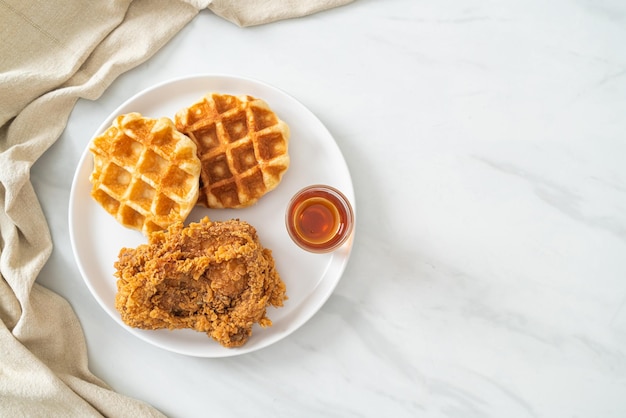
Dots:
(213, 277)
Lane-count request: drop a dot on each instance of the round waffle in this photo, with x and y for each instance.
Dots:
(146, 173)
(242, 145)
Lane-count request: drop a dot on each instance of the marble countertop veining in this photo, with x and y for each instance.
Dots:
(487, 146)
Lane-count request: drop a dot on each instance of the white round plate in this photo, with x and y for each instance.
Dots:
(310, 278)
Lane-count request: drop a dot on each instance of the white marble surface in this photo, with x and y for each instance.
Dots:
(487, 144)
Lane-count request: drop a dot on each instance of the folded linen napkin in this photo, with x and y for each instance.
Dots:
(256, 12)
(52, 54)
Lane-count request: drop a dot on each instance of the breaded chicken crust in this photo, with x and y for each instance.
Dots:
(213, 277)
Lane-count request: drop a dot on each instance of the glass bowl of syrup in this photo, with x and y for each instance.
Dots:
(319, 218)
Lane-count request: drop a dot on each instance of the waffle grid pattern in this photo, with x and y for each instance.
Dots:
(242, 145)
(145, 172)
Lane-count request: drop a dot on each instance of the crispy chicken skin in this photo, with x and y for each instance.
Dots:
(213, 277)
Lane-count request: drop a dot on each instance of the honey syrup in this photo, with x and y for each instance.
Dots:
(319, 218)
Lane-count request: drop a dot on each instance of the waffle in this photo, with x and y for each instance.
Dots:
(146, 173)
(243, 147)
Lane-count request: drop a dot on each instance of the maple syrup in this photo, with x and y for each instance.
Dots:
(319, 218)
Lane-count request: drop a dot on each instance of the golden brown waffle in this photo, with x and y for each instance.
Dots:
(146, 173)
(243, 147)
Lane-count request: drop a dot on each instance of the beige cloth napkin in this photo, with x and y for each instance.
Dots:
(51, 54)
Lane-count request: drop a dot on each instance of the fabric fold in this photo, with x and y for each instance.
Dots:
(258, 12)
